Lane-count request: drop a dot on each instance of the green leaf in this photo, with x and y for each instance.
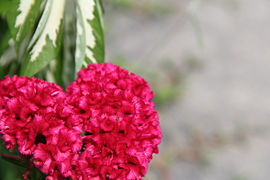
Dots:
(68, 48)
(10, 171)
(13, 153)
(90, 39)
(4, 7)
(46, 46)
(97, 23)
(80, 41)
(17, 162)
(5, 36)
(22, 16)
(42, 22)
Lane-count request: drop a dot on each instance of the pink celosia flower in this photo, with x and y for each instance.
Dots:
(59, 154)
(120, 125)
(28, 109)
(111, 110)
(29, 117)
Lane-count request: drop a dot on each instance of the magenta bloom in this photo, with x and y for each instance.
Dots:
(27, 111)
(57, 157)
(104, 127)
(121, 127)
(29, 118)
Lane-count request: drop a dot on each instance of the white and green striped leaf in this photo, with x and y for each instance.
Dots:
(44, 45)
(90, 40)
(42, 22)
(22, 15)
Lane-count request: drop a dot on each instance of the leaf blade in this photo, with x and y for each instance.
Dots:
(90, 20)
(46, 47)
(42, 23)
(80, 40)
(22, 17)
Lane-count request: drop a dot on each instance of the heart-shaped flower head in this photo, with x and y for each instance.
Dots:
(120, 126)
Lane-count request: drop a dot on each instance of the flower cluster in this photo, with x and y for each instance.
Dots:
(27, 103)
(28, 118)
(120, 124)
(104, 127)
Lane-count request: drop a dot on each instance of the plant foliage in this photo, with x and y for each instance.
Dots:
(34, 34)
(49, 39)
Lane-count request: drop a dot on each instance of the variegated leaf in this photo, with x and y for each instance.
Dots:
(42, 22)
(46, 39)
(21, 18)
(90, 40)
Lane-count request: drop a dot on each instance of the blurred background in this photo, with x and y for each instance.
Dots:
(208, 62)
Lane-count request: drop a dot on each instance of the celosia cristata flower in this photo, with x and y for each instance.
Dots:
(29, 118)
(121, 127)
(105, 127)
(27, 110)
(57, 157)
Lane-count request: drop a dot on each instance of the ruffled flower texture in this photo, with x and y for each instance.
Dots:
(29, 119)
(104, 127)
(121, 131)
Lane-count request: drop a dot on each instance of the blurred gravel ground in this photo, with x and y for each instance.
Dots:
(219, 128)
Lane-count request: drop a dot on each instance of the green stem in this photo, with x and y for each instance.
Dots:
(10, 156)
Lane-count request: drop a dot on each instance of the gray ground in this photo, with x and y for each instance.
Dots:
(219, 129)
